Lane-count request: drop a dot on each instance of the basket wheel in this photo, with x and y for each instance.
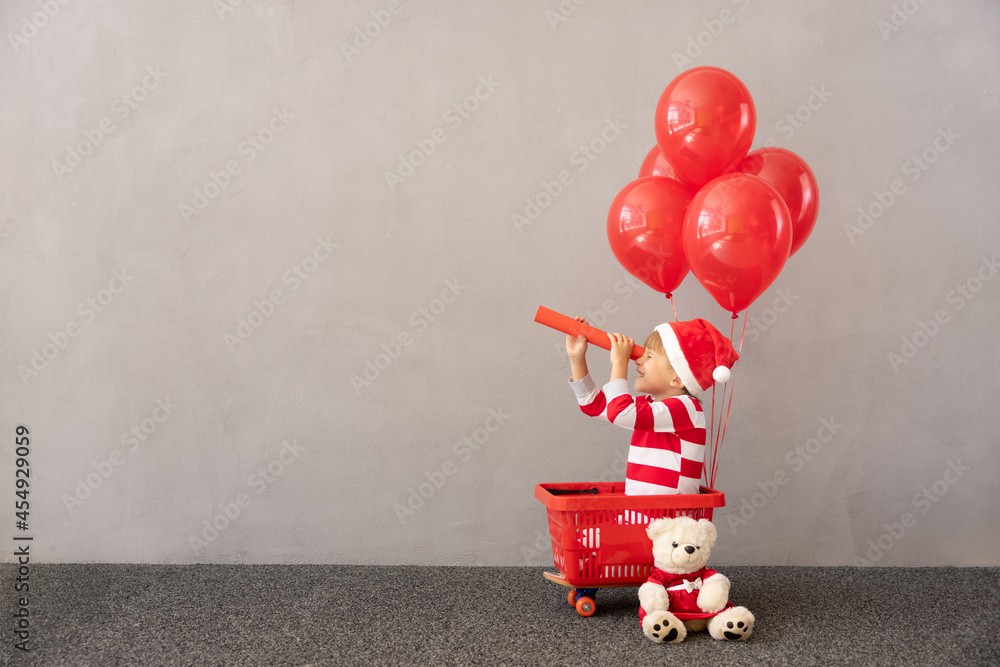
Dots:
(586, 606)
(571, 598)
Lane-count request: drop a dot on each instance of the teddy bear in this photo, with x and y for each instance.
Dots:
(683, 595)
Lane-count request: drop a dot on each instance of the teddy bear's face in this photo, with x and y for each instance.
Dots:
(681, 544)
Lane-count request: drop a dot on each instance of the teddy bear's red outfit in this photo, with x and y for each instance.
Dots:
(683, 590)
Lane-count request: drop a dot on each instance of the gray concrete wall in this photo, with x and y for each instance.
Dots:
(201, 255)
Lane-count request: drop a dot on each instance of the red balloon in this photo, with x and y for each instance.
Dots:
(737, 236)
(645, 223)
(654, 164)
(793, 179)
(705, 122)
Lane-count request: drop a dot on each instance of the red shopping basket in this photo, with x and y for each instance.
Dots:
(599, 534)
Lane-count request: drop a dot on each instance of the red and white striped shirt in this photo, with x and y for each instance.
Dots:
(667, 453)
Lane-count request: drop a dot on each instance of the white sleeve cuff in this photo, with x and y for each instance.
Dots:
(615, 388)
(584, 387)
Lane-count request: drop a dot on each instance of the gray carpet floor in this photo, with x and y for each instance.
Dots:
(102, 614)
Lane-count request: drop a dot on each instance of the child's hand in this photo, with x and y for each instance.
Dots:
(621, 349)
(576, 346)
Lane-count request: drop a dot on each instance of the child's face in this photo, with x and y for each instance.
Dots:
(655, 375)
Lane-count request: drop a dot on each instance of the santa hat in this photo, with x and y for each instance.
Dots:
(698, 352)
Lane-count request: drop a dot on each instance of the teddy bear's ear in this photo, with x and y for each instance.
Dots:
(709, 531)
(657, 527)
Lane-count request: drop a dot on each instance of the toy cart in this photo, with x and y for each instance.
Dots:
(599, 534)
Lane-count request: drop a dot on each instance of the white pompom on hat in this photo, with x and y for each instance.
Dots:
(699, 353)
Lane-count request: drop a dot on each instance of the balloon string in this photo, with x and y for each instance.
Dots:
(670, 295)
(731, 381)
(716, 441)
(711, 432)
(709, 469)
(722, 426)
(740, 349)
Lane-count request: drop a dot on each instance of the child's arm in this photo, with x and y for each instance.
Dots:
(613, 403)
(579, 368)
(621, 348)
(590, 398)
(576, 350)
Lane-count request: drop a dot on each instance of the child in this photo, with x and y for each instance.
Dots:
(682, 360)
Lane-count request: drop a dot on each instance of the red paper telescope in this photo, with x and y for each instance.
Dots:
(568, 325)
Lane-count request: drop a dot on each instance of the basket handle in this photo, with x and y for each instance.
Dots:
(565, 492)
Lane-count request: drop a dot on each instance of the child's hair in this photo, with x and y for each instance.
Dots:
(655, 343)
